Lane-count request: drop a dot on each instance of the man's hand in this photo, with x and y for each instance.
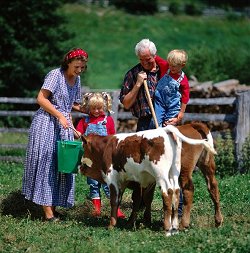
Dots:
(141, 76)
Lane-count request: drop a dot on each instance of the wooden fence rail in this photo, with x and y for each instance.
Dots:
(240, 117)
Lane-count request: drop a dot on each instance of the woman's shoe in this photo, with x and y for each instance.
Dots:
(58, 215)
(52, 219)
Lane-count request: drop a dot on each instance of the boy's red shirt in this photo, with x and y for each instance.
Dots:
(184, 85)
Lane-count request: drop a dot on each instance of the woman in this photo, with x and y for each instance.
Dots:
(60, 93)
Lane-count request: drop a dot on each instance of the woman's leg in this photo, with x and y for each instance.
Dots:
(48, 212)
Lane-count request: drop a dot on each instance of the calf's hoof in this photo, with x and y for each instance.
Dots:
(171, 232)
(174, 231)
(218, 222)
(182, 227)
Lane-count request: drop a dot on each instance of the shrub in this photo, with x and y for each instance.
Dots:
(137, 7)
(244, 158)
(192, 9)
(202, 61)
(225, 159)
(174, 8)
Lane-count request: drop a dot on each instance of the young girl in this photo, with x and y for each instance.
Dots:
(95, 104)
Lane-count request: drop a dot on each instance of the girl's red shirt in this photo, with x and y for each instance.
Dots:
(82, 124)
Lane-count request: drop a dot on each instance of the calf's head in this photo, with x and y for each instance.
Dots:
(92, 162)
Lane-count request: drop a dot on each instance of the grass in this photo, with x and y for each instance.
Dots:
(13, 138)
(109, 36)
(22, 228)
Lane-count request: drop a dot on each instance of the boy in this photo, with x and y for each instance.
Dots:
(172, 92)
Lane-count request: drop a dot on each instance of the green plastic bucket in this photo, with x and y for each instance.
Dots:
(69, 154)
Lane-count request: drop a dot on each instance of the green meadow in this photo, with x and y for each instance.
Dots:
(218, 47)
(22, 228)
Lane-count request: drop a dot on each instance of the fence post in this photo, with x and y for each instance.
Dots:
(243, 121)
(115, 106)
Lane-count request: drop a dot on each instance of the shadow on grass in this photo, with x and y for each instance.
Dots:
(17, 206)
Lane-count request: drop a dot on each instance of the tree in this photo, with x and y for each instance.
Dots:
(31, 32)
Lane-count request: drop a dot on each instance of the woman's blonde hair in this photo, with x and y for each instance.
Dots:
(97, 98)
(177, 57)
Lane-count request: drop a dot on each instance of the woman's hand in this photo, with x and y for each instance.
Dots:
(63, 121)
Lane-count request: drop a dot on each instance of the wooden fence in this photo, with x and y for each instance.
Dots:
(240, 118)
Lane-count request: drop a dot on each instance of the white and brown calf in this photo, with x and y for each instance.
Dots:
(191, 156)
(144, 157)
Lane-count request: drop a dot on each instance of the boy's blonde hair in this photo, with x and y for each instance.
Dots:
(177, 57)
(92, 99)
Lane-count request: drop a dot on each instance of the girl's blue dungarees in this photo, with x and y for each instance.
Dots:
(98, 129)
(167, 98)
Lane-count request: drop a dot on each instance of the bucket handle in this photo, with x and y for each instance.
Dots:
(79, 136)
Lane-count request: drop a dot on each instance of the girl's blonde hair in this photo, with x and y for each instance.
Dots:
(97, 98)
(177, 57)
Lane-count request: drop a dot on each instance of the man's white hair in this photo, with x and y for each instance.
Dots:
(143, 45)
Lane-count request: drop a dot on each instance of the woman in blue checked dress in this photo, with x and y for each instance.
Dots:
(60, 93)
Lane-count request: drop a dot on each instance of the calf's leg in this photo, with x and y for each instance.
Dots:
(187, 187)
(148, 195)
(167, 211)
(114, 203)
(208, 170)
(136, 202)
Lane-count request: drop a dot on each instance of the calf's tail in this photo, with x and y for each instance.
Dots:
(207, 145)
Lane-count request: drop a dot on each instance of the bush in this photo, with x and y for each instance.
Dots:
(225, 159)
(214, 63)
(244, 158)
(192, 9)
(137, 7)
(174, 8)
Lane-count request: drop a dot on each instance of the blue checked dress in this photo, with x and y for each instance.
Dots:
(42, 183)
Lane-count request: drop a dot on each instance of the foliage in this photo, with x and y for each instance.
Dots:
(23, 231)
(174, 7)
(31, 44)
(217, 47)
(208, 63)
(136, 7)
(225, 159)
(189, 8)
(231, 3)
(245, 154)
(193, 9)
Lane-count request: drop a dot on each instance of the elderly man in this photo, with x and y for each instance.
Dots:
(132, 94)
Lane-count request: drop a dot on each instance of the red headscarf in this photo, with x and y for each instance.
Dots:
(75, 53)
